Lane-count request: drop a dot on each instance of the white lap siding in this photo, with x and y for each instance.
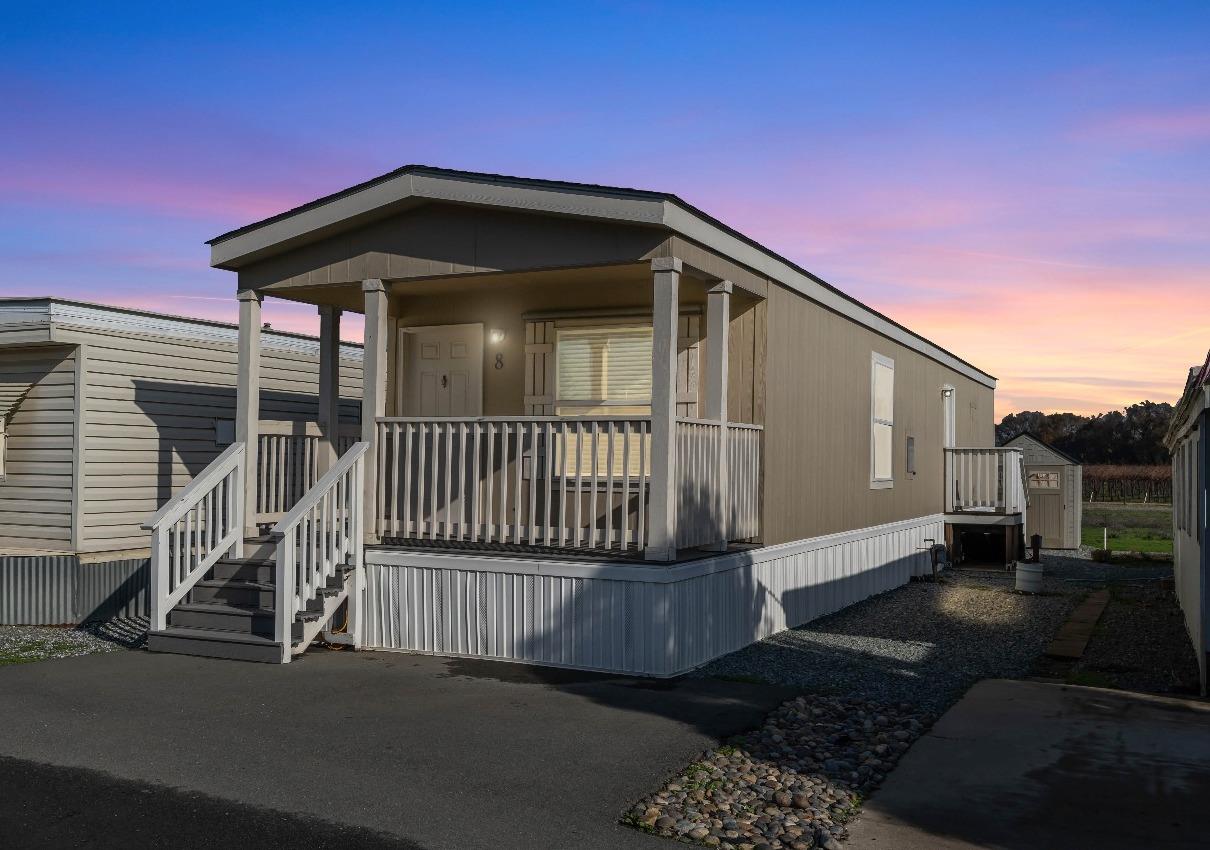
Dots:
(36, 493)
(150, 406)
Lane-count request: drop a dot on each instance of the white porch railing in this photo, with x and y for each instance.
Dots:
(319, 535)
(709, 511)
(566, 482)
(576, 482)
(744, 479)
(984, 480)
(287, 463)
(194, 530)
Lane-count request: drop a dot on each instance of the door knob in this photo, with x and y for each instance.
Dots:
(445, 381)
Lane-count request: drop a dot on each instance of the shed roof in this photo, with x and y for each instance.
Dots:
(1062, 455)
(414, 185)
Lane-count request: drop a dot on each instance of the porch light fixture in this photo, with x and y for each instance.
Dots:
(495, 336)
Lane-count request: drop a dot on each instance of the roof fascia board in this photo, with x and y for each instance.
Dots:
(396, 192)
(1199, 403)
(57, 316)
(712, 237)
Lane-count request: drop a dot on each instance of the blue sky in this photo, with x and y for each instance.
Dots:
(1048, 164)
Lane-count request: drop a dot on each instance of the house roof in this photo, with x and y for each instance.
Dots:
(1032, 436)
(414, 185)
(49, 311)
(1194, 399)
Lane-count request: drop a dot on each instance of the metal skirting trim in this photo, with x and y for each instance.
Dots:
(59, 590)
(624, 625)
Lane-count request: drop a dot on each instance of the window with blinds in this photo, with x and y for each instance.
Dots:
(603, 370)
(882, 420)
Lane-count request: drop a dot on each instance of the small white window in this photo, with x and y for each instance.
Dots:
(882, 421)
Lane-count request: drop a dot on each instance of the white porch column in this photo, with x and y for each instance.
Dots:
(661, 525)
(247, 399)
(373, 394)
(329, 385)
(718, 332)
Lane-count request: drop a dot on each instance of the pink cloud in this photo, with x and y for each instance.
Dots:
(1144, 128)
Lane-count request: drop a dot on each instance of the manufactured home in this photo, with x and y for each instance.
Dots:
(1186, 441)
(600, 429)
(106, 414)
(1055, 481)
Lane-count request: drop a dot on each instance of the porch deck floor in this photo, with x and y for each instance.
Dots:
(524, 551)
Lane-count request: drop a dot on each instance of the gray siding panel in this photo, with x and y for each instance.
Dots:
(58, 589)
(35, 494)
(631, 625)
(37, 590)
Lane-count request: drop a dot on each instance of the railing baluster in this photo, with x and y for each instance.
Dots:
(448, 431)
(518, 471)
(489, 473)
(476, 484)
(421, 478)
(408, 475)
(579, 527)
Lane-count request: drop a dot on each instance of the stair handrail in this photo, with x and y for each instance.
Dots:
(182, 554)
(318, 561)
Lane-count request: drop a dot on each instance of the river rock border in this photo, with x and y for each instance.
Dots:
(793, 783)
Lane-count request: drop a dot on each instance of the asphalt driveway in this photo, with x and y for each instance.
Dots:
(374, 750)
(1026, 765)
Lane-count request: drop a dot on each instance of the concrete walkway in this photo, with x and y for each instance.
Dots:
(1018, 765)
(366, 750)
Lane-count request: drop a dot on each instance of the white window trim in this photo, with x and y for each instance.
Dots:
(876, 360)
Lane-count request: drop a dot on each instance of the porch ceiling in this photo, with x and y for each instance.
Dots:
(616, 285)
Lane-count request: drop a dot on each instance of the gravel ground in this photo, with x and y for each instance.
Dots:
(793, 783)
(22, 644)
(1140, 644)
(1077, 566)
(922, 644)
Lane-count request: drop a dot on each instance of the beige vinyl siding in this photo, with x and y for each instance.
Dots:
(149, 410)
(36, 493)
(817, 424)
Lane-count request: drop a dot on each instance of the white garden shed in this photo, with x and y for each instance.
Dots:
(1054, 482)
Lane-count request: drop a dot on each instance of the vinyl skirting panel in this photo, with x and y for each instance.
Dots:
(653, 621)
(59, 590)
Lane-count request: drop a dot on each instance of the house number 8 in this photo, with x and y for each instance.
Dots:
(500, 361)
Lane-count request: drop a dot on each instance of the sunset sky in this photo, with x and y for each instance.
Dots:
(1027, 185)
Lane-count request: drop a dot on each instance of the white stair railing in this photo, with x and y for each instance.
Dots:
(984, 480)
(194, 530)
(322, 532)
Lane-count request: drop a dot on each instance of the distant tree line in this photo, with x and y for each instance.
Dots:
(1133, 436)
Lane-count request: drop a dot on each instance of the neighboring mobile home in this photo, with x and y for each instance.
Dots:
(105, 413)
(1055, 482)
(1187, 441)
(600, 430)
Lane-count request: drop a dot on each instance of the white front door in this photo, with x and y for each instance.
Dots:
(444, 372)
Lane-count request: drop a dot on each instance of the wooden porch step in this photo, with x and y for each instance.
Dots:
(211, 643)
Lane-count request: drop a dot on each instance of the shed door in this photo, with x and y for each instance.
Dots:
(1045, 514)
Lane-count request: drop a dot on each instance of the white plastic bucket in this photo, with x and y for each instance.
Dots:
(1029, 577)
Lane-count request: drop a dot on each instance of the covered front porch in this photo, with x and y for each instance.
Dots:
(612, 410)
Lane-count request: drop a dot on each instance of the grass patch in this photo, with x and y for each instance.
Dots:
(26, 651)
(1132, 527)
